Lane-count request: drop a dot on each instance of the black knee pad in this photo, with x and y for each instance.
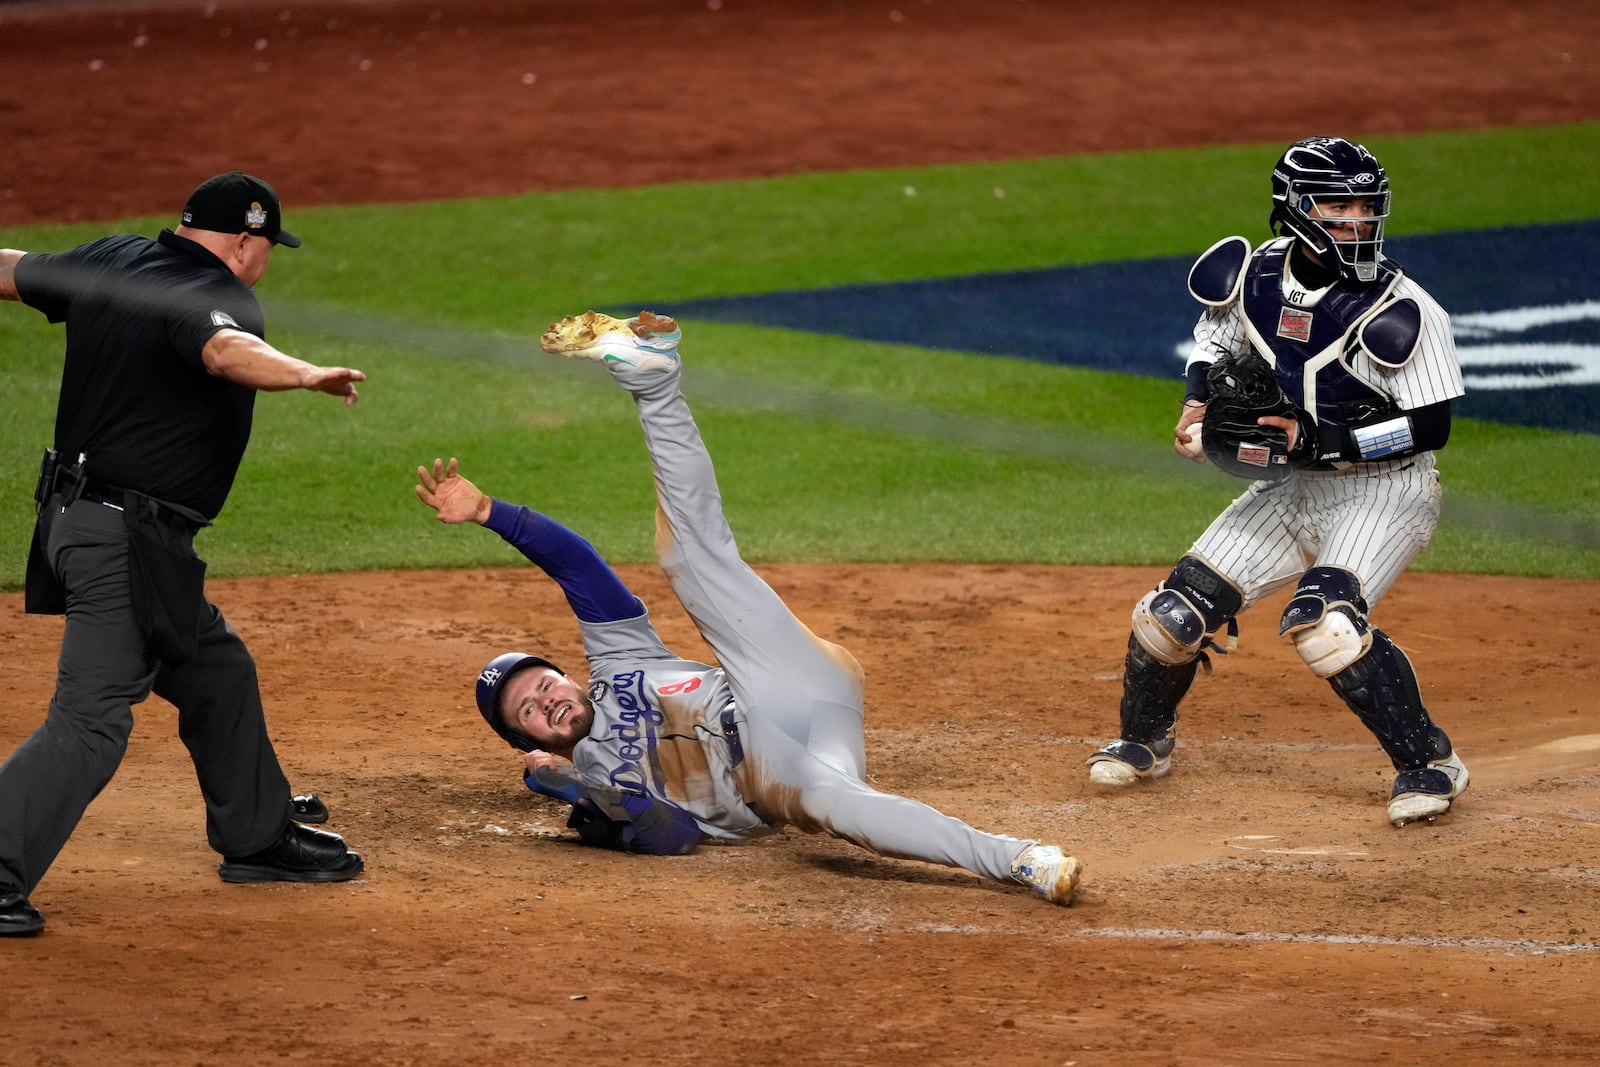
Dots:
(1173, 620)
(1170, 628)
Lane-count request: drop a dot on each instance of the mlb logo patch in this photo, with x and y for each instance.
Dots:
(1294, 324)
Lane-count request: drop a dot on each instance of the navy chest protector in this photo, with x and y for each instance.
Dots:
(1311, 346)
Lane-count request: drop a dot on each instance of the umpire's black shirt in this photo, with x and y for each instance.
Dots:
(136, 397)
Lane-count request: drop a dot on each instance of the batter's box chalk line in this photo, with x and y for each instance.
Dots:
(1509, 947)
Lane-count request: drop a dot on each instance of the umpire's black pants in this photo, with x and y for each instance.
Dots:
(105, 667)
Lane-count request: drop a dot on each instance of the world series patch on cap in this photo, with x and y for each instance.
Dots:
(237, 202)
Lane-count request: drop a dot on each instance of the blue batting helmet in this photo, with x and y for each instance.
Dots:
(492, 679)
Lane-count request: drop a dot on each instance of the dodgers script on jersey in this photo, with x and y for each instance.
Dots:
(663, 726)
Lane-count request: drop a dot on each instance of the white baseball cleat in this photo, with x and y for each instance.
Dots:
(645, 342)
(1050, 872)
(1119, 763)
(1427, 792)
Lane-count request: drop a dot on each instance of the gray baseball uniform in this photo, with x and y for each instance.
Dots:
(774, 735)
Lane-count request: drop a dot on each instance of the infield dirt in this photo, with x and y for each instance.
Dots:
(1252, 907)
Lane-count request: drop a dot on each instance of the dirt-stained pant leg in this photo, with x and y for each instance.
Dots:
(779, 670)
(800, 696)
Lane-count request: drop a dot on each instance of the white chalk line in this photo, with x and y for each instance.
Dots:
(1507, 946)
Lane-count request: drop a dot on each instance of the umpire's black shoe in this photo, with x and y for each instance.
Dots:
(309, 808)
(300, 855)
(18, 918)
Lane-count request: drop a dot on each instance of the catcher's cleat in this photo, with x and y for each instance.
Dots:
(1427, 792)
(1050, 872)
(645, 342)
(1121, 762)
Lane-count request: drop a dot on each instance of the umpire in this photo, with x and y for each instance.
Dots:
(165, 354)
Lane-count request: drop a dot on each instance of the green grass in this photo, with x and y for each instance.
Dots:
(828, 449)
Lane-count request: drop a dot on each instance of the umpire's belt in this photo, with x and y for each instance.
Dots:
(730, 734)
(96, 493)
(181, 519)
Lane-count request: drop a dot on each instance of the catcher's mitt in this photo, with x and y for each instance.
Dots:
(1243, 388)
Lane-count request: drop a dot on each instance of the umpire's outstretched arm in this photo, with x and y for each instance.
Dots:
(247, 360)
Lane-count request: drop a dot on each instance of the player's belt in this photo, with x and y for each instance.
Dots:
(730, 734)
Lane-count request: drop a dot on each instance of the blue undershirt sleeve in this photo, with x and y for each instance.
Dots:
(593, 589)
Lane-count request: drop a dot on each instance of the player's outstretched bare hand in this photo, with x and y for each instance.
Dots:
(452, 496)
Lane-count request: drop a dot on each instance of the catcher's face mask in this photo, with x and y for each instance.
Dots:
(1354, 226)
(1315, 175)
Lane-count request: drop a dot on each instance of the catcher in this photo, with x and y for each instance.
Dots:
(666, 751)
(1324, 374)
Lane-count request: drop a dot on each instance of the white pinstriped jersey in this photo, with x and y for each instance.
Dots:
(1370, 518)
(1431, 375)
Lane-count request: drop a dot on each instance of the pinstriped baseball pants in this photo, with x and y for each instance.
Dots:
(1373, 519)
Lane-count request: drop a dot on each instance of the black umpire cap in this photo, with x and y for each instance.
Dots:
(237, 202)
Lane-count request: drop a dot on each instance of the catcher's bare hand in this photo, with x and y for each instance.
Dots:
(1287, 425)
(452, 496)
(1186, 434)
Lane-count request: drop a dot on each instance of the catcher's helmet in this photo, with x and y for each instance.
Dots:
(1331, 167)
(492, 679)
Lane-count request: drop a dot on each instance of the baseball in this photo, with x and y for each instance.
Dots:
(1193, 450)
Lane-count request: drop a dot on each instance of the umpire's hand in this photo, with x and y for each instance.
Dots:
(335, 381)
